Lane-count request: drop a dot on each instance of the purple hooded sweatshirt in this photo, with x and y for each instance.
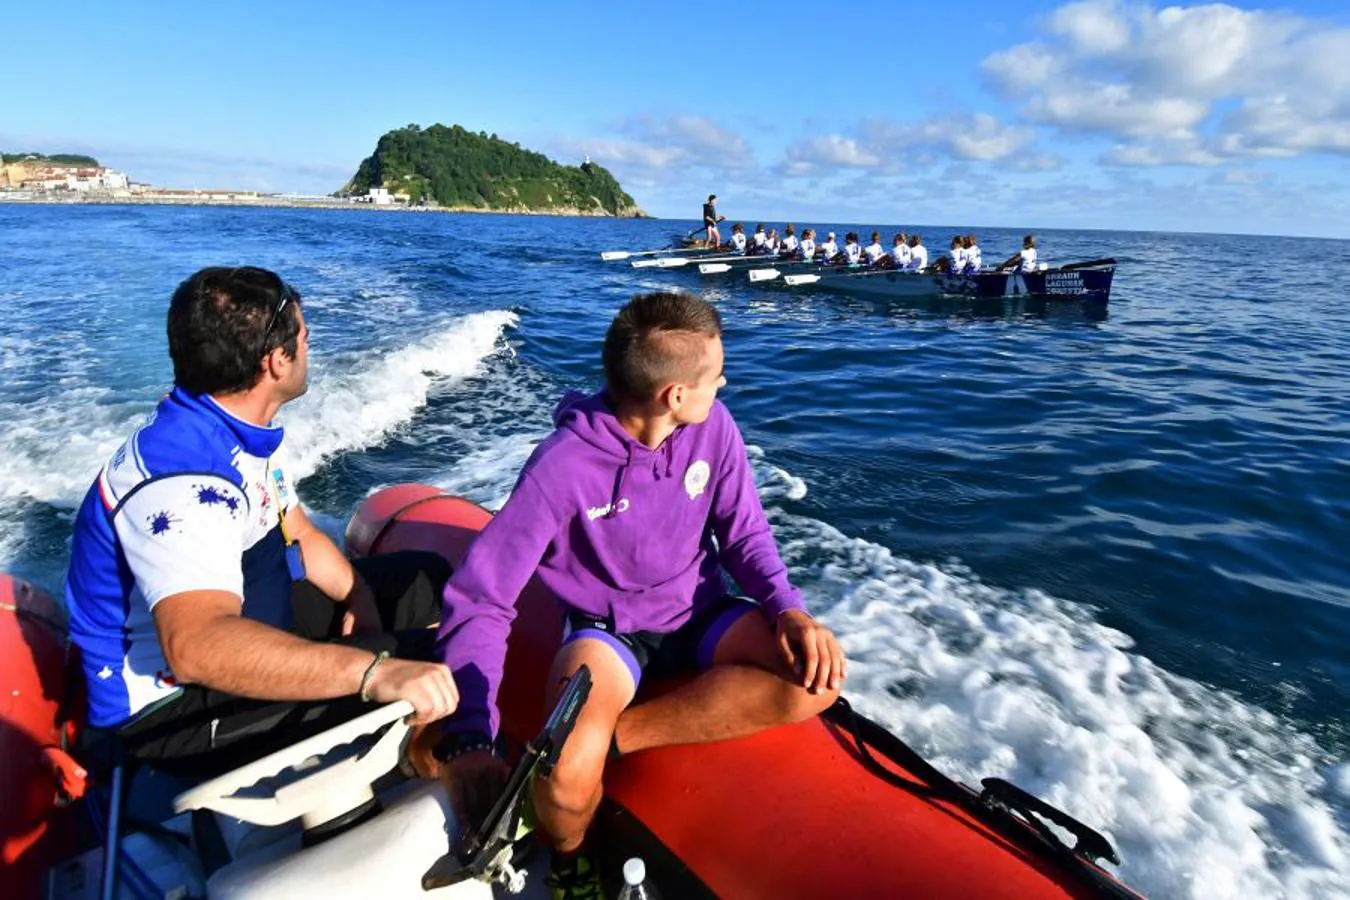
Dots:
(614, 529)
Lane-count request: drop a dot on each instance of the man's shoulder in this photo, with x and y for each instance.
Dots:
(170, 443)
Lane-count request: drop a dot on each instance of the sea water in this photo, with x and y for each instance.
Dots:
(1100, 553)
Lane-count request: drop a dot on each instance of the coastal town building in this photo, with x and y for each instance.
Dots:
(38, 175)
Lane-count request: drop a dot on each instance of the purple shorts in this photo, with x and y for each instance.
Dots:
(689, 647)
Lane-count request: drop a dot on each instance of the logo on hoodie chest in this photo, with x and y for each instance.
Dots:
(696, 478)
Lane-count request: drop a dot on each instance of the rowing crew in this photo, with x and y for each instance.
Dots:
(907, 251)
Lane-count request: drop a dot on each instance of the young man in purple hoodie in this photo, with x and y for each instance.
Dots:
(629, 512)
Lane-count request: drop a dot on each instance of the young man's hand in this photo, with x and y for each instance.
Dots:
(812, 650)
(473, 782)
(429, 687)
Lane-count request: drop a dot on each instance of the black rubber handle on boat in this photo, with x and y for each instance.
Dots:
(1090, 843)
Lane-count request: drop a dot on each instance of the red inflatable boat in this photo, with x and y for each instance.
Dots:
(835, 807)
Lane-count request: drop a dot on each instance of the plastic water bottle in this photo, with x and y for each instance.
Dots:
(635, 884)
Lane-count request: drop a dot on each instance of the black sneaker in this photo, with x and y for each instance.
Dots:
(574, 877)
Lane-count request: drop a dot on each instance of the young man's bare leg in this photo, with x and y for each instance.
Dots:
(566, 801)
(748, 689)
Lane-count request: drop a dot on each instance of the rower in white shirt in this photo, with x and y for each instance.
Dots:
(918, 253)
(771, 242)
(1025, 259)
(757, 245)
(737, 238)
(790, 243)
(956, 262)
(874, 251)
(852, 250)
(974, 262)
(900, 252)
(808, 245)
(828, 249)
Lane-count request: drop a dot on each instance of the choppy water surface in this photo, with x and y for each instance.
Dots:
(1104, 557)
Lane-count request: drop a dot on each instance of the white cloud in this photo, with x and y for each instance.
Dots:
(1184, 85)
(885, 147)
(1180, 153)
(645, 149)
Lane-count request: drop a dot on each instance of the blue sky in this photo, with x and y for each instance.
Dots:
(1095, 114)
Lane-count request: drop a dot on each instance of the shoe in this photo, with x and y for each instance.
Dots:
(574, 877)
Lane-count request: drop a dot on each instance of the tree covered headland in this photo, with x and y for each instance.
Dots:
(55, 159)
(459, 168)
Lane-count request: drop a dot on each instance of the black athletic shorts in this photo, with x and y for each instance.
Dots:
(691, 647)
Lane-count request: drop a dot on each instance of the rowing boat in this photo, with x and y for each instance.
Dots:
(1088, 281)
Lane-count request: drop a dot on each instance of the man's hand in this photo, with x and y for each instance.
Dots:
(811, 649)
(429, 687)
(473, 783)
(361, 614)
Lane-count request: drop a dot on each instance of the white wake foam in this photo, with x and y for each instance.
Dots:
(51, 450)
(1204, 796)
(357, 403)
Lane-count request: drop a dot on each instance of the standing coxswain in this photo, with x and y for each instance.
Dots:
(712, 237)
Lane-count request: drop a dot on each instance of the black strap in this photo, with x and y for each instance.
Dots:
(997, 808)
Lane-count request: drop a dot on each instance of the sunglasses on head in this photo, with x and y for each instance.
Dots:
(288, 294)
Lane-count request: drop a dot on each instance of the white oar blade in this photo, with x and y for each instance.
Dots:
(611, 255)
(795, 280)
(645, 263)
(671, 262)
(713, 268)
(764, 274)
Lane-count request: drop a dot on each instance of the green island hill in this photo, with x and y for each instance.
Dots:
(460, 169)
(55, 159)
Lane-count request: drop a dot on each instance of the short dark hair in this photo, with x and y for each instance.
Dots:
(655, 339)
(223, 321)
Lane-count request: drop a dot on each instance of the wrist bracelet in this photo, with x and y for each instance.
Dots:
(370, 671)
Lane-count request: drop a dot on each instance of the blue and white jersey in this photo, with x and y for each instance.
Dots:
(789, 244)
(900, 254)
(1027, 263)
(738, 242)
(192, 501)
(873, 252)
(852, 253)
(974, 259)
(918, 257)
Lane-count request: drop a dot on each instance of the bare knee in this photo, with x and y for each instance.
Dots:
(799, 704)
(574, 783)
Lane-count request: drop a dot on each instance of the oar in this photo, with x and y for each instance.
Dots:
(795, 280)
(668, 262)
(1090, 264)
(764, 274)
(713, 268)
(611, 255)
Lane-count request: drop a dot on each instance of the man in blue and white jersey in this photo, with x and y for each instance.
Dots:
(215, 622)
